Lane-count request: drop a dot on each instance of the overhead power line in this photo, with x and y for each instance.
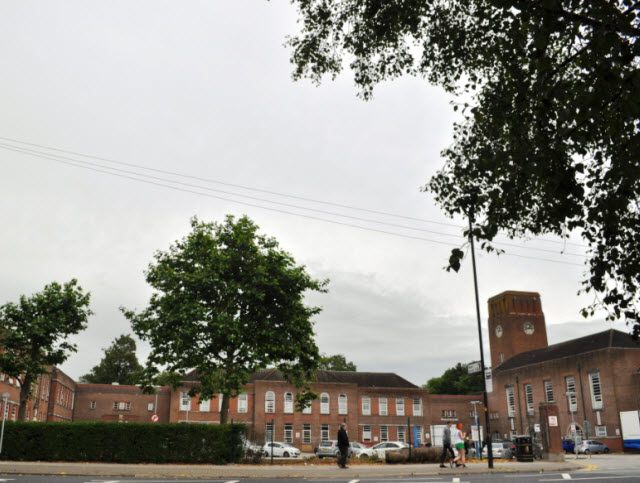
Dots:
(275, 193)
(147, 180)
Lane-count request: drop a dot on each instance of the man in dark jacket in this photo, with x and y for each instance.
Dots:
(446, 444)
(343, 445)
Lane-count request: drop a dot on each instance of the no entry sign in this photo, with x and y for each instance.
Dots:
(154, 418)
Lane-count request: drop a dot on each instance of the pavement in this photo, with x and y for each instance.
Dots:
(301, 470)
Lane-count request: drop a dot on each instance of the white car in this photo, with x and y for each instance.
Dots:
(381, 449)
(359, 450)
(280, 449)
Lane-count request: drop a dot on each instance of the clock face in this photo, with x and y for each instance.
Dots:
(498, 331)
(528, 328)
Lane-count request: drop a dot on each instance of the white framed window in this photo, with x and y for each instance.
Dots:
(92, 405)
(288, 433)
(150, 407)
(205, 405)
(307, 408)
(366, 434)
(342, 404)
(601, 431)
(511, 402)
(402, 434)
(596, 390)
(243, 403)
(400, 406)
(127, 406)
(449, 414)
(324, 432)
(417, 406)
(122, 405)
(528, 392)
(185, 401)
(268, 432)
(418, 434)
(384, 433)
(306, 433)
(2, 377)
(324, 403)
(366, 406)
(270, 402)
(571, 388)
(288, 402)
(383, 406)
(548, 390)
(220, 401)
(115, 405)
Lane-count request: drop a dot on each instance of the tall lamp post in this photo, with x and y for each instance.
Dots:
(484, 379)
(5, 398)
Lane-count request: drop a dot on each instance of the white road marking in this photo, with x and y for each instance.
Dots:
(594, 478)
(566, 476)
(456, 480)
(354, 481)
(233, 481)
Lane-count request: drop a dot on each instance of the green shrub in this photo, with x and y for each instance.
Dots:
(123, 443)
(418, 455)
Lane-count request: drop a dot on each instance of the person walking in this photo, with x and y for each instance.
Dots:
(459, 443)
(446, 444)
(343, 445)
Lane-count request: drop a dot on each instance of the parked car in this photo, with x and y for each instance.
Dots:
(381, 449)
(589, 446)
(568, 445)
(330, 449)
(250, 447)
(500, 449)
(359, 450)
(280, 449)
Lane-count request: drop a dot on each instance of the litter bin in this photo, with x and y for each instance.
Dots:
(524, 448)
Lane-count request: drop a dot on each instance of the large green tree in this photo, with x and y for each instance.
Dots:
(228, 301)
(550, 95)
(119, 364)
(34, 333)
(456, 380)
(336, 362)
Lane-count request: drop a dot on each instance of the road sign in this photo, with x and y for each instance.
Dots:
(474, 367)
(536, 428)
(553, 420)
(155, 418)
(573, 428)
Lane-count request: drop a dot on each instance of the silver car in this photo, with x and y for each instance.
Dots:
(589, 446)
(330, 449)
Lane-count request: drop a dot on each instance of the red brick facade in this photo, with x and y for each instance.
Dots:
(602, 370)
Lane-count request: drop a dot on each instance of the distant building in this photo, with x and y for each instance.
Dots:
(601, 372)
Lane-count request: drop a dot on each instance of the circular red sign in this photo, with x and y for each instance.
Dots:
(155, 418)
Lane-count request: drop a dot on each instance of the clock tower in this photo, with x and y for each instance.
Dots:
(516, 324)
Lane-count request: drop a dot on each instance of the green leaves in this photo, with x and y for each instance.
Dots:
(553, 138)
(227, 302)
(35, 331)
(119, 364)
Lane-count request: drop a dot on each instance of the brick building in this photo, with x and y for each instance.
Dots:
(376, 406)
(601, 372)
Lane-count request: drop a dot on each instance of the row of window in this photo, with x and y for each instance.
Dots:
(570, 383)
(387, 433)
(205, 405)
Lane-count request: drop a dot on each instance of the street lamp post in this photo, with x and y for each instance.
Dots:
(5, 398)
(569, 395)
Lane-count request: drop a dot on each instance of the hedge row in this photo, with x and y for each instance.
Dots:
(418, 455)
(123, 443)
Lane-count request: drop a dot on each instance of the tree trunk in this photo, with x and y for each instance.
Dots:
(25, 392)
(224, 410)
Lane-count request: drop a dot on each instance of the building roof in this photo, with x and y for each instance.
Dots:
(602, 340)
(361, 379)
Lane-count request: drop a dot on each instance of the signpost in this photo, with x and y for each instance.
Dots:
(474, 367)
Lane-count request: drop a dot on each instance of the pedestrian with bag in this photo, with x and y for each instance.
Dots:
(343, 445)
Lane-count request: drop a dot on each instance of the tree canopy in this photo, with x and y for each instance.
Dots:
(455, 380)
(336, 362)
(119, 364)
(550, 96)
(228, 301)
(34, 333)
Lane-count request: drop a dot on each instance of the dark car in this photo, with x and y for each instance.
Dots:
(568, 446)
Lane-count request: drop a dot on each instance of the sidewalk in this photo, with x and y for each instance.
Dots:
(275, 471)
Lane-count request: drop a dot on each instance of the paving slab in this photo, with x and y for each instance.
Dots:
(358, 471)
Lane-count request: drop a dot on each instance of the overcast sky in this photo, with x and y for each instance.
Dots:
(204, 89)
